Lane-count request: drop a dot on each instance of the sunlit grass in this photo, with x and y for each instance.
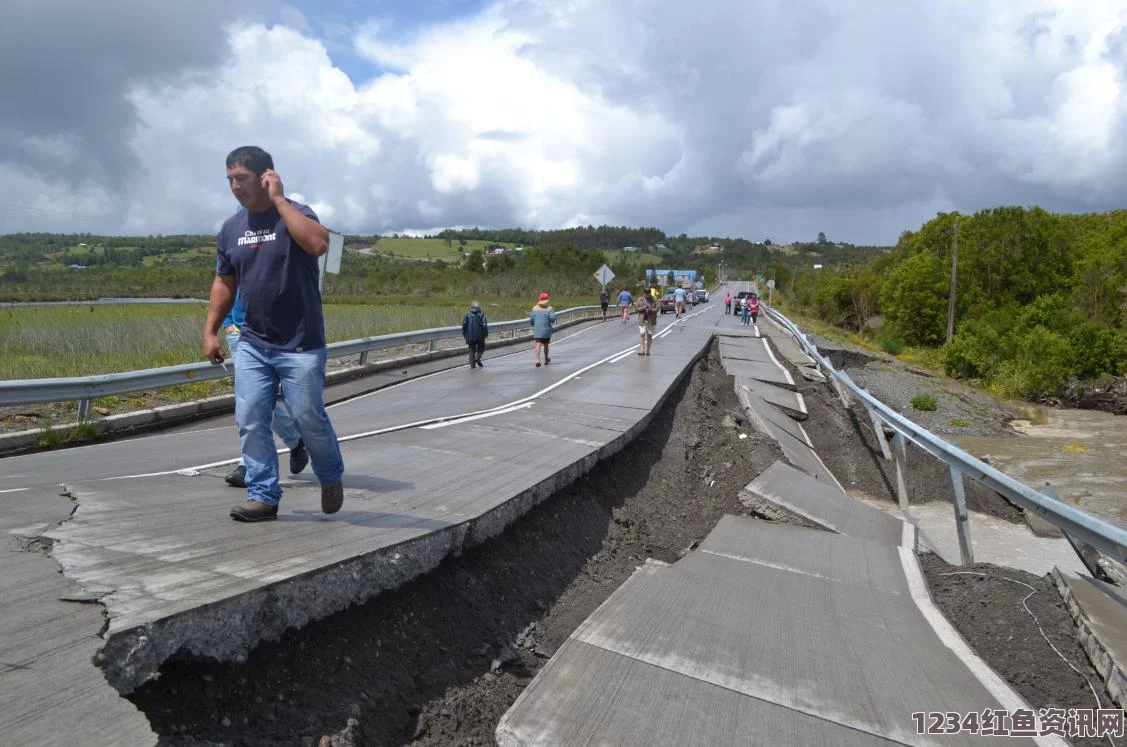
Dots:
(51, 341)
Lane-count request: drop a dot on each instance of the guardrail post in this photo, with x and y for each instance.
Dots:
(962, 523)
(84, 409)
(431, 346)
(363, 357)
(1089, 555)
(839, 389)
(900, 452)
(878, 428)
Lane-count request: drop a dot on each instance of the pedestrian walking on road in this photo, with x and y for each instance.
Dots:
(542, 319)
(753, 308)
(679, 301)
(728, 303)
(745, 313)
(475, 328)
(647, 321)
(283, 424)
(625, 301)
(604, 301)
(268, 250)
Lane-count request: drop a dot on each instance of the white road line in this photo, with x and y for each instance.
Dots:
(508, 406)
(445, 423)
(908, 535)
(775, 360)
(523, 351)
(14, 490)
(994, 684)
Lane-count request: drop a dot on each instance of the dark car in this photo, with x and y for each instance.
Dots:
(741, 299)
(667, 302)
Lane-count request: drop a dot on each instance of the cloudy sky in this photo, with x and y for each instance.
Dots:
(752, 118)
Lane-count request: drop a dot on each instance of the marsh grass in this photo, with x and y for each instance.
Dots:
(57, 341)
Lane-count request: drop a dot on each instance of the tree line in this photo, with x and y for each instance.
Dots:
(1040, 299)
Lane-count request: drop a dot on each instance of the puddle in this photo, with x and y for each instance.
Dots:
(1081, 452)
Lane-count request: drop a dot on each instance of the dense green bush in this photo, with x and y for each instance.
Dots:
(925, 401)
(1097, 351)
(1040, 365)
(975, 352)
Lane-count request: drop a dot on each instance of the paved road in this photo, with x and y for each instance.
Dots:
(434, 465)
(509, 379)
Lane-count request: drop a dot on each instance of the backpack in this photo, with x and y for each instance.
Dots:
(647, 310)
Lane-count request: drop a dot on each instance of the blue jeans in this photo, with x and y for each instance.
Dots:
(258, 373)
(283, 422)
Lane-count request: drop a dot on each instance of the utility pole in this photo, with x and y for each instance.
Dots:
(951, 292)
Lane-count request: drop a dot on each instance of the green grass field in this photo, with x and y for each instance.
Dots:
(49, 341)
(430, 249)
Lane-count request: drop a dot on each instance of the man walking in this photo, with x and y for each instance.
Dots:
(679, 301)
(647, 321)
(475, 328)
(728, 302)
(604, 301)
(624, 302)
(268, 250)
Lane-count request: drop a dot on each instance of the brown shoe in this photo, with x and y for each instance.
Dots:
(332, 497)
(254, 511)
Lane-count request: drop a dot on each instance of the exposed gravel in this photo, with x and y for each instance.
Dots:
(962, 409)
(1014, 620)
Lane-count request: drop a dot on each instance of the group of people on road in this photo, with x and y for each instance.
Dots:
(748, 308)
(542, 319)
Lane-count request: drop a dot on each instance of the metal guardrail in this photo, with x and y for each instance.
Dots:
(1082, 529)
(86, 388)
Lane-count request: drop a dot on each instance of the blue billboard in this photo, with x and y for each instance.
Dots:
(686, 277)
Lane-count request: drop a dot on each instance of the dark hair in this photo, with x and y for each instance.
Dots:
(251, 156)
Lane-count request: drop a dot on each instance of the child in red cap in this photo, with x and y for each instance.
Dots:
(542, 319)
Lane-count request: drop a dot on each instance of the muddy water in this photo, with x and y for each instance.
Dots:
(1083, 453)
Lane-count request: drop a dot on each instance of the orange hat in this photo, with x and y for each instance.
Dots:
(543, 296)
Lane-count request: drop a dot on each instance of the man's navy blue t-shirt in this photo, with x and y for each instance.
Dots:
(277, 280)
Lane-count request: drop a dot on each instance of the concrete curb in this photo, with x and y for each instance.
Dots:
(1113, 673)
(152, 418)
(230, 629)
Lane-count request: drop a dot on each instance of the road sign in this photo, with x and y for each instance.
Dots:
(604, 275)
(330, 260)
(771, 283)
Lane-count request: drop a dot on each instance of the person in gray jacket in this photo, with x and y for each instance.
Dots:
(542, 319)
(475, 328)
